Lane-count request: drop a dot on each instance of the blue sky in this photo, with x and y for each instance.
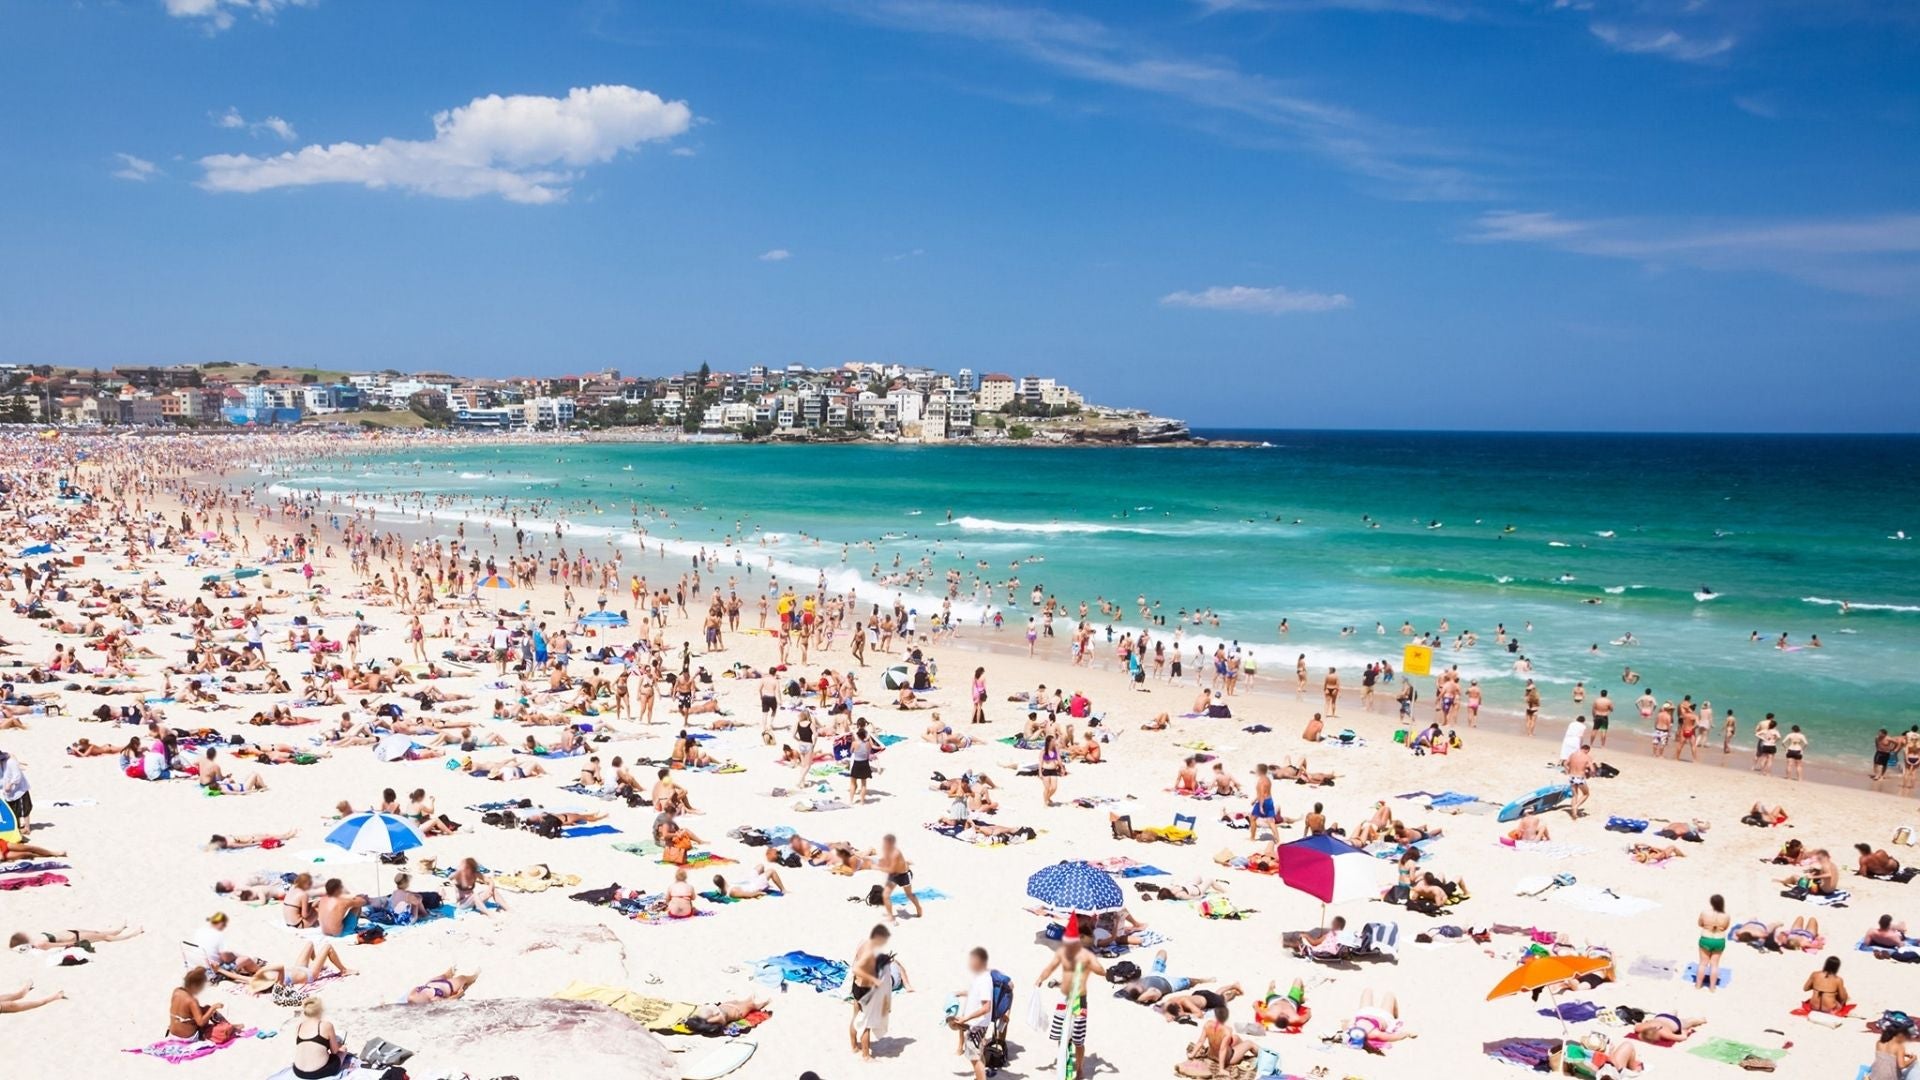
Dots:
(1612, 214)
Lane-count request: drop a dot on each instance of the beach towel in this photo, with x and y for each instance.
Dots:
(14, 884)
(523, 883)
(1722, 976)
(1647, 967)
(1548, 849)
(643, 848)
(1833, 899)
(1600, 901)
(715, 896)
(656, 1014)
(174, 1051)
(704, 858)
(1530, 1054)
(574, 832)
(1728, 1052)
(30, 867)
(591, 793)
(899, 896)
(803, 969)
(1573, 1012)
(1218, 906)
(1626, 825)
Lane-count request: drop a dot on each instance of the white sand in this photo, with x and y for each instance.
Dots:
(138, 857)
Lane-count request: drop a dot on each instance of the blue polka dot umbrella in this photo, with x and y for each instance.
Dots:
(1076, 886)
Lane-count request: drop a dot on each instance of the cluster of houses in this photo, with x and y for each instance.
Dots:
(873, 399)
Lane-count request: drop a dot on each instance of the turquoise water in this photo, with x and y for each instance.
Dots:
(1781, 529)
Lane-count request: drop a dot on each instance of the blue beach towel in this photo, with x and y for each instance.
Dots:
(1721, 978)
(574, 832)
(804, 968)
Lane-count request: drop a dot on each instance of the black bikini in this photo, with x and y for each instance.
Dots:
(330, 1068)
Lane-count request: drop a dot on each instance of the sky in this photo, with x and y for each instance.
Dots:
(1618, 215)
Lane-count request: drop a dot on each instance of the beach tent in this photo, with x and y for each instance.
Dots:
(9, 825)
(897, 677)
(1539, 802)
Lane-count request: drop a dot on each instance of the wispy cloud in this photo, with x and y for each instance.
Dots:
(139, 170)
(218, 15)
(1867, 256)
(272, 125)
(1448, 10)
(1757, 106)
(902, 256)
(1271, 300)
(776, 255)
(683, 151)
(523, 148)
(1663, 42)
(1401, 163)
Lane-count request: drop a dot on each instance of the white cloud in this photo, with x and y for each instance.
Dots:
(683, 151)
(1663, 42)
(1868, 256)
(1275, 300)
(273, 125)
(136, 169)
(901, 256)
(1216, 93)
(1757, 106)
(218, 15)
(523, 148)
(776, 255)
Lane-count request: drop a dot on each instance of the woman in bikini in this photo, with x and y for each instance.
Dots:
(317, 1050)
(187, 1017)
(297, 905)
(1826, 990)
(446, 986)
(1052, 768)
(1713, 941)
(1666, 1029)
(84, 940)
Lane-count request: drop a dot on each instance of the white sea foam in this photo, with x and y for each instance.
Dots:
(974, 524)
(1858, 606)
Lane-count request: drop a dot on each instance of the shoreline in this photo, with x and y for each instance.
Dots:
(1627, 737)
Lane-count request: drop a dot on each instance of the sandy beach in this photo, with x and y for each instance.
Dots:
(137, 852)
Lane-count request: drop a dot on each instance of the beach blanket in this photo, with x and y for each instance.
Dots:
(591, 793)
(1148, 939)
(574, 832)
(1806, 1009)
(174, 1051)
(1573, 1012)
(1722, 976)
(14, 884)
(704, 858)
(1600, 901)
(1626, 825)
(1128, 868)
(656, 1014)
(1530, 1054)
(899, 896)
(523, 883)
(643, 848)
(967, 835)
(1218, 906)
(1728, 1052)
(1547, 849)
(30, 867)
(1834, 899)
(1647, 967)
(801, 968)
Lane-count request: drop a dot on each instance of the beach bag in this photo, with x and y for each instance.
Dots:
(220, 1034)
(1266, 1065)
(1123, 972)
(1002, 999)
(877, 896)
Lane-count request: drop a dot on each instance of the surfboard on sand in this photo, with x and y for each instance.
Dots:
(1539, 802)
(719, 1061)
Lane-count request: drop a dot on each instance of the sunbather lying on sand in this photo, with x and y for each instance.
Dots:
(446, 986)
(1666, 1029)
(69, 939)
(715, 1017)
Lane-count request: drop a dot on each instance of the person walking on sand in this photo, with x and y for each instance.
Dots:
(17, 793)
(860, 762)
(1579, 774)
(1713, 942)
(893, 863)
(1075, 963)
(873, 974)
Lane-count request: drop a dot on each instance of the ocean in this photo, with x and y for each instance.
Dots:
(1687, 545)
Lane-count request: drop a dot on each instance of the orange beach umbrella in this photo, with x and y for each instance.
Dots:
(1545, 972)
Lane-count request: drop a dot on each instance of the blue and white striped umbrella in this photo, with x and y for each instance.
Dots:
(1076, 886)
(375, 834)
